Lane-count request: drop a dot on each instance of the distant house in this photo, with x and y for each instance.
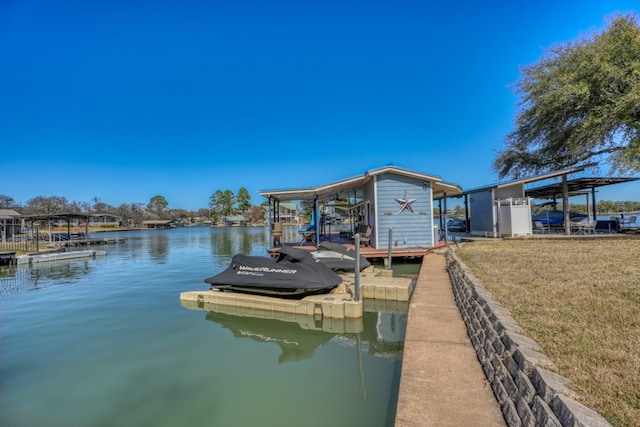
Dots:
(9, 220)
(289, 212)
(155, 224)
(102, 220)
(235, 221)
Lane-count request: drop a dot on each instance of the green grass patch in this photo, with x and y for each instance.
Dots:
(580, 300)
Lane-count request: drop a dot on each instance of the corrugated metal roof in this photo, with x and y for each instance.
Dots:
(574, 186)
(527, 180)
(330, 189)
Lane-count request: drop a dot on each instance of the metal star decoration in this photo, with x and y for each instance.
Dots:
(405, 203)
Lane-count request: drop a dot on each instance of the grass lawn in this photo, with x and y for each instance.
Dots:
(580, 300)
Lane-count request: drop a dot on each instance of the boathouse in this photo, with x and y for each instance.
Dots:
(505, 209)
(388, 201)
(157, 224)
(235, 221)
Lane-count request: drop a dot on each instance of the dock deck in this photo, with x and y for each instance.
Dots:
(369, 252)
(7, 257)
(339, 304)
(94, 241)
(57, 256)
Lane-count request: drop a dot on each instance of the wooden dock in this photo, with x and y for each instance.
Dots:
(7, 258)
(53, 257)
(373, 253)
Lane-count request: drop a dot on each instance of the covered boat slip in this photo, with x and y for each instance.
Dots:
(390, 207)
(549, 196)
(28, 231)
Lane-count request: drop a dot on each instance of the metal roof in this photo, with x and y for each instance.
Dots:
(354, 183)
(576, 185)
(8, 214)
(65, 216)
(527, 180)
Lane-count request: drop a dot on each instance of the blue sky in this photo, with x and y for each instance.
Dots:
(125, 100)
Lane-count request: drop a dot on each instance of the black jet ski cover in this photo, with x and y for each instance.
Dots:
(338, 257)
(294, 269)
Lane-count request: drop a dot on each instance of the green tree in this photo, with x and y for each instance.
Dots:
(221, 204)
(157, 205)
(606, 206)
(243, 200)
(306, 210)
(227, 201)
(580, 103)
(214, 206)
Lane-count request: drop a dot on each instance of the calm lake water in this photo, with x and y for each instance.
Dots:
(106, 342)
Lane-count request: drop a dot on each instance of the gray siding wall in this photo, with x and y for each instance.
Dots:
(482, 216)
(409, 229)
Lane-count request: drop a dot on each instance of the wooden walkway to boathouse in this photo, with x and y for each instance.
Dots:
(372, 253)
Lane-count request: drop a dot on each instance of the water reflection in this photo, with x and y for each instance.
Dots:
(380, 332)
(230, 241)
(159, 247)
(295, 342)
(385, 326)
(16, 279)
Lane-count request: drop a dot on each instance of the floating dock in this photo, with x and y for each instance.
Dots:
(58, 256)
(339, 304)
(93, 241)
(7, 258)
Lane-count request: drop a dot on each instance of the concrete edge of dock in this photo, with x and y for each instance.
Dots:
(441, 381)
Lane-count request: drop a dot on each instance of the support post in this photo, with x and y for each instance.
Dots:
(446, 230)
(316, 220)
(565, 205)
(390, 249)
(356, 282)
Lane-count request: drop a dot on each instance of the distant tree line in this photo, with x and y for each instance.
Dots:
(222, 203)
(225, 203)
(608, 206)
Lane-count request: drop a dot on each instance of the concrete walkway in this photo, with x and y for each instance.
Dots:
(442, 383)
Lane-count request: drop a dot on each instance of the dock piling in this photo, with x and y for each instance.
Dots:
(356, 283)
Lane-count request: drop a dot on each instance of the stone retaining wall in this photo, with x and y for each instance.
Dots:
(527, 391)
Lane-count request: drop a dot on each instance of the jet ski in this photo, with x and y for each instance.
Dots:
(295, 273)
(338, 257)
